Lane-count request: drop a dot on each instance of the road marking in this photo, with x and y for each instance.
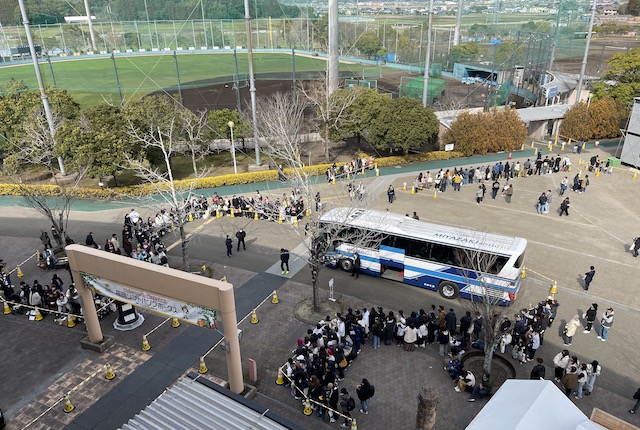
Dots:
(197, 229)
(295, 265)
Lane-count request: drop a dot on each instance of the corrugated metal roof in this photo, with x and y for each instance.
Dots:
(543, 113)
(195, 403)
(409, 227)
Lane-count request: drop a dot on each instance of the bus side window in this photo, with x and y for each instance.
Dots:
(443, 254)
(388, 241)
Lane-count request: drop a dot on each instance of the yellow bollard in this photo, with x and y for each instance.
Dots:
(280, 378)
(413, 190)
(550, 147)
(7, 309)
(307, 407)
(404, 186)
(175, 323)
(68, 406)
(274, 298)
(145, 344)
(255, 216)
(19, 271)
(71, 321)
(190, 217)
(38, 315)
(554, 288)
(254, 317)
(203, 366)
(524, 272)
(110, 373)
(354, 426)
(435, 194)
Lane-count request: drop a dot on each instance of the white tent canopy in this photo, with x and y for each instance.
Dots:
(531, 405)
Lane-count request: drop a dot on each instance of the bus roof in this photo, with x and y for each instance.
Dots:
(408, 227)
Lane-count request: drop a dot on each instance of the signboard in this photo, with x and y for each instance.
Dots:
(188, 312)
(448, 147)
(551, 92)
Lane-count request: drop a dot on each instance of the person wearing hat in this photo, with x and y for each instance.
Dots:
(590, 316)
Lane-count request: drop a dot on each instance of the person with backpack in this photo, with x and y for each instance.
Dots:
(347, 404)
(365, 391)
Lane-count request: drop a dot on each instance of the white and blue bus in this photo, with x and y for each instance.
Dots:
(426, 255)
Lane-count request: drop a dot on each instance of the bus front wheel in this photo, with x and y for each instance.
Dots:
(346, 265)
(448, 290)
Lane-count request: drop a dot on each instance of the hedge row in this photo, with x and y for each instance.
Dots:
(216, 181)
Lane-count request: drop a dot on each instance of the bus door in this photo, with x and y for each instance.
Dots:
(392, 263)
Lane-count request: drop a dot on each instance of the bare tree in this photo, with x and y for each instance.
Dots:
(194, 126)
(280, 121)
(166, 141)
(332, 111)
(486, 298)
(34, 145)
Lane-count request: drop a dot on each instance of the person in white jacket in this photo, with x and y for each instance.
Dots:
(593, 371)
(570, 329)
(560, 361)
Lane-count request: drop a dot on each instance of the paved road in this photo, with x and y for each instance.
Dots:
(601, 221)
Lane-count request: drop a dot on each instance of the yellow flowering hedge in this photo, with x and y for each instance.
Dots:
(218, 181)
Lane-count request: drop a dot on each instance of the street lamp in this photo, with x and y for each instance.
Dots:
(233, 148)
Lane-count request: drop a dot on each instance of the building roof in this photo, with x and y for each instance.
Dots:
(564, 81)
(543, 113)
(197, 403)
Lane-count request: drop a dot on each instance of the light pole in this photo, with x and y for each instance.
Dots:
(233, 148)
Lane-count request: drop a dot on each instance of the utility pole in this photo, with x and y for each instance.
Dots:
(456, 33)
(333, 65)
(583, 69)
(43, 93)
(92, 34)
(427, 60)
(252, 80)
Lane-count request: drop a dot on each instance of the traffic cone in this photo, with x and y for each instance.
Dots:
(377, 172)
(535, 151)
(274, 298)
(68, 406)
(203, 366)
(307, 212)
(231, 214)
(280, 378)
(348, 176)
(596, 144)
(404, 186)
(190, 217)
(550, 147)
(524, 272)
(71, 321)
(354, 426)
(145, 344)
(554, 288)
(597, 173)
(254, 317)
(307, 407)
(522, 147)
(38, 314)
(584, 145)
(569, 169)
(509, 157)
(562, 146)
(7, 309)
(333, 181)
(295, 221)
(363, 170)
(255, 216)
(580, 162)
(110, 373)
(175, 323)
(635, 175)
(280, 220)
(218, 214)
(413, 190)
(19, 271)
(580, 174)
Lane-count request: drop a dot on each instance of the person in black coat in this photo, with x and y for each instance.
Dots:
(465, 323)
(89, 241)
(240, 235)
(284, 260)
(357, 263)
(450, 321)
(229, 244)
(538, 370)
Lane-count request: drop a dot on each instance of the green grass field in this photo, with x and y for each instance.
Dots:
(91, 81)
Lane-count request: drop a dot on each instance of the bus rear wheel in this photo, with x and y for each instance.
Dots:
(449, 290)
(346, 265)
